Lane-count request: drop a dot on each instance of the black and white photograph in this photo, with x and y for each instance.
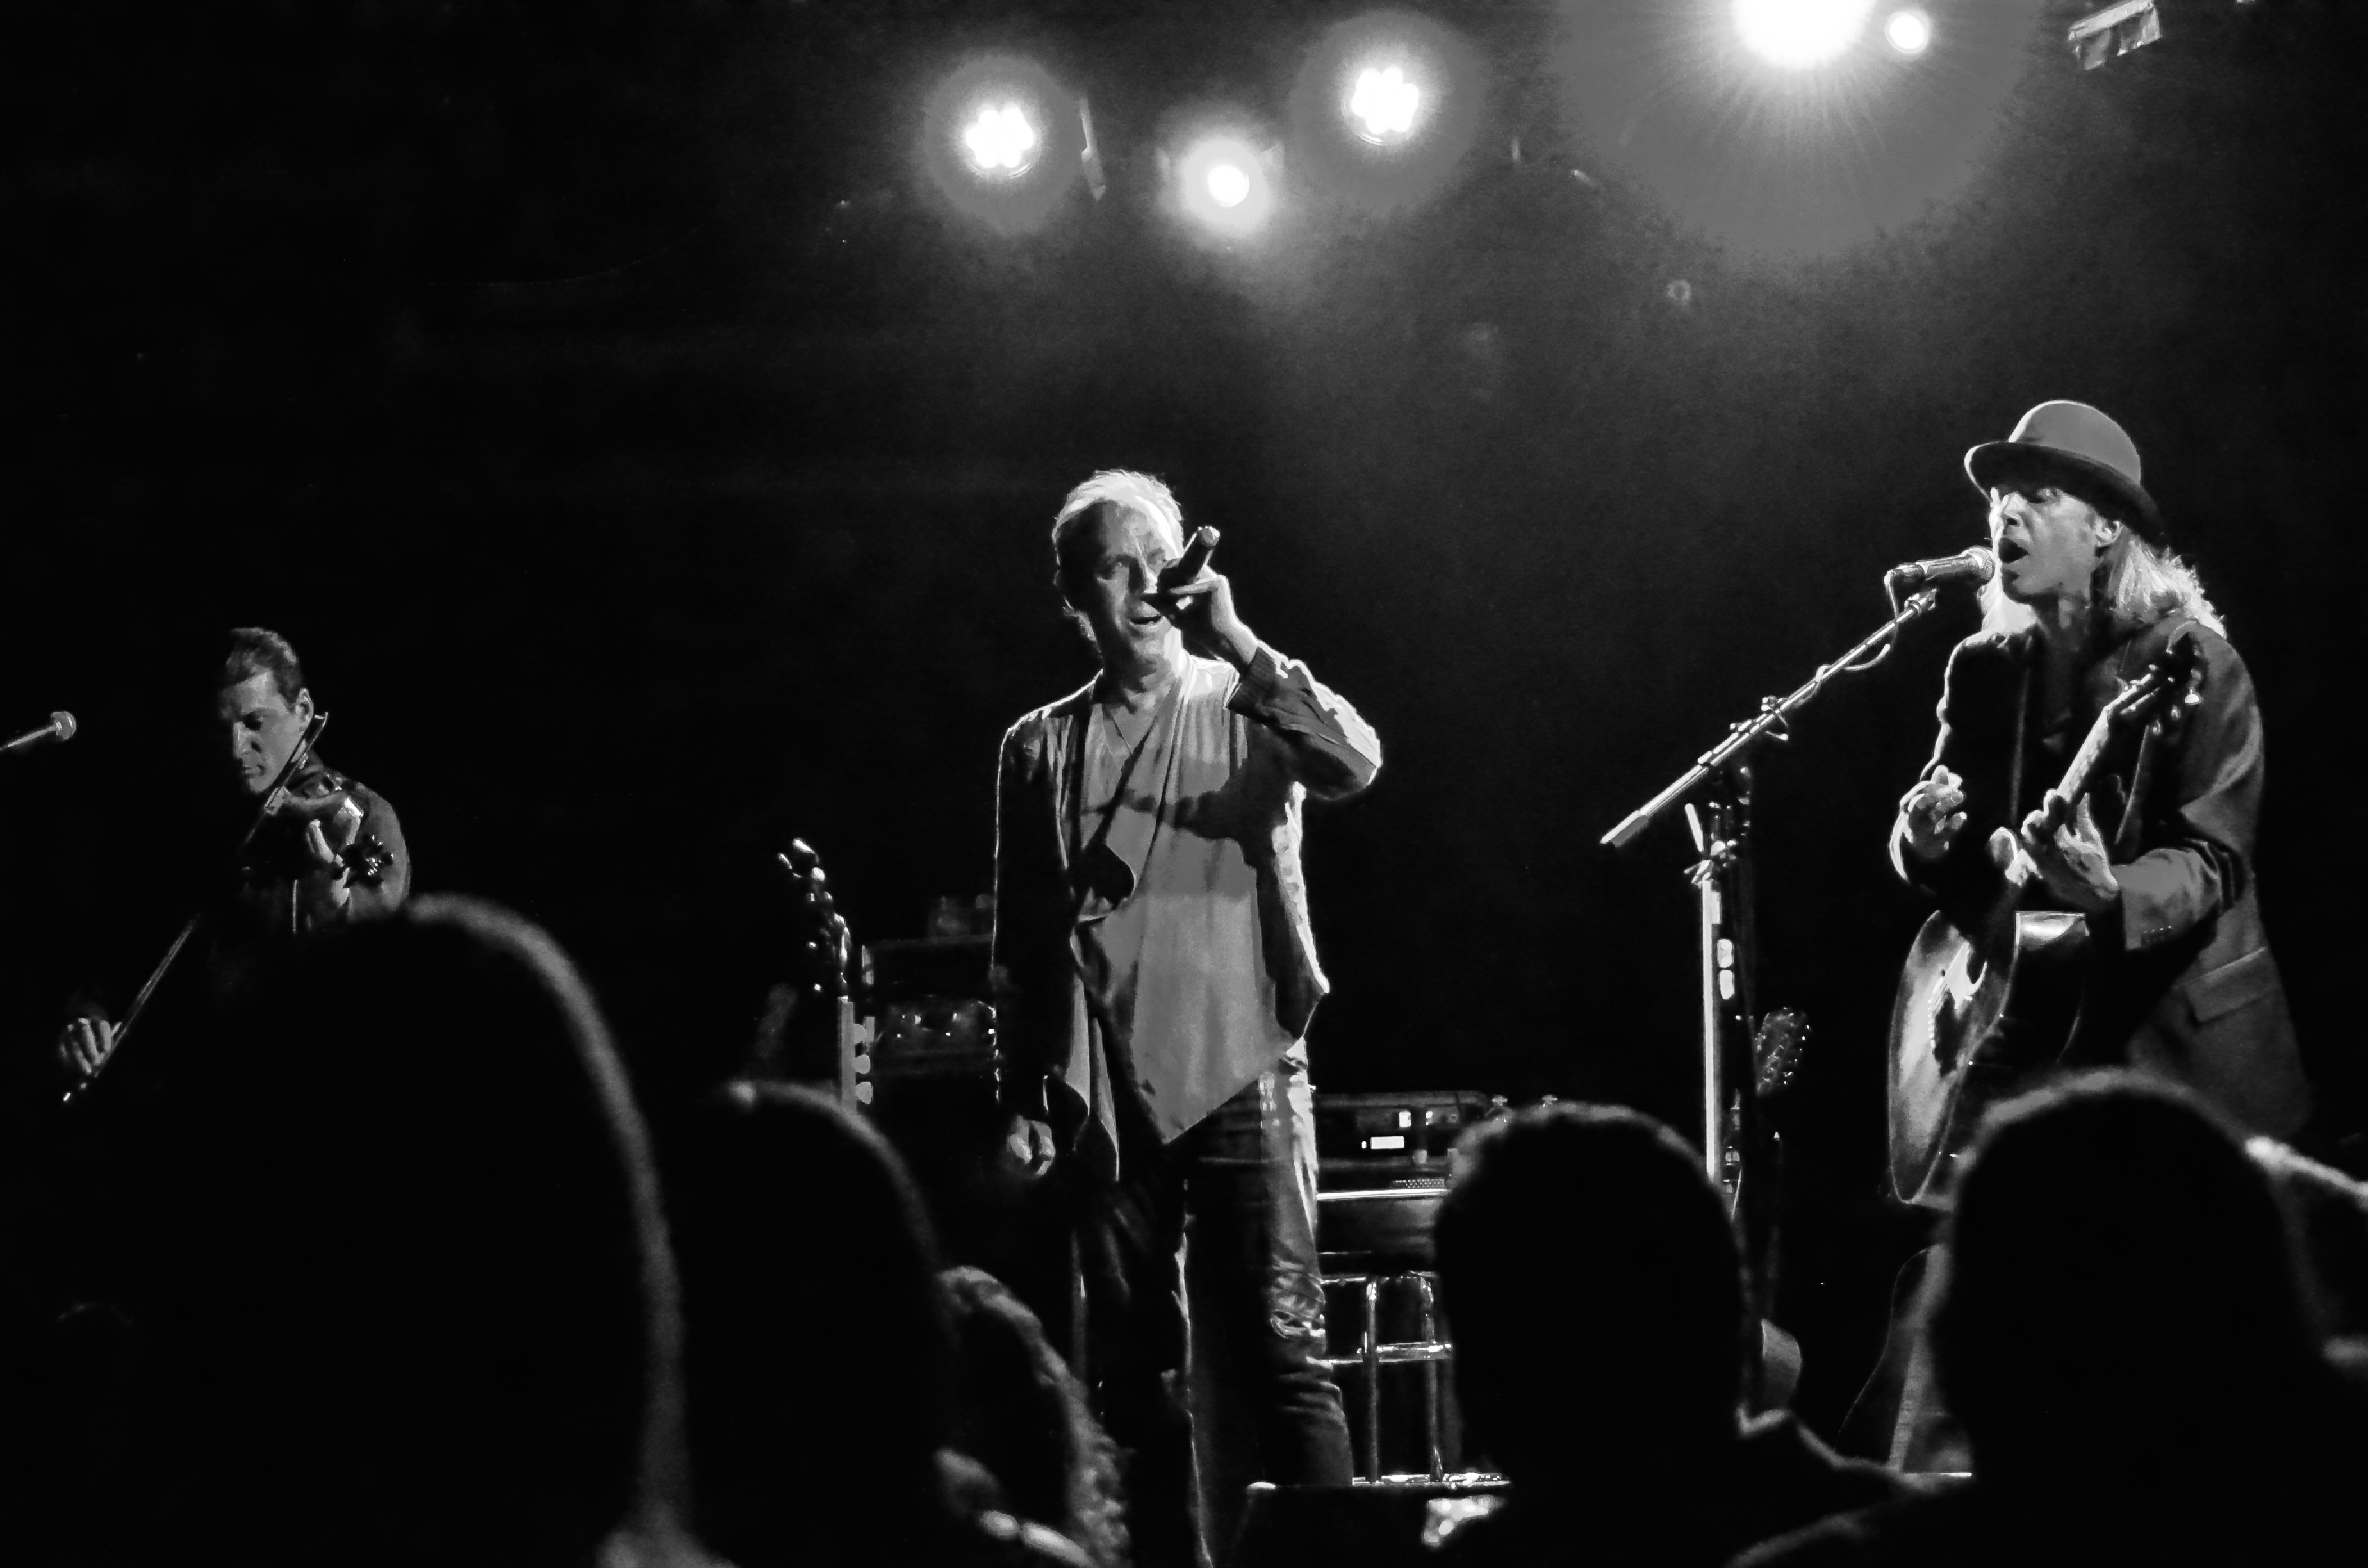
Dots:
(1191, 784)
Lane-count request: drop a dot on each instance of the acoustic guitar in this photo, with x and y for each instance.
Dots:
(1982, 1005)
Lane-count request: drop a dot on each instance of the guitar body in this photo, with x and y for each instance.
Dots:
(1985, 1007)
(1978, 1016)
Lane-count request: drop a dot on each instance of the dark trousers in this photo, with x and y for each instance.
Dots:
(1235, 1194)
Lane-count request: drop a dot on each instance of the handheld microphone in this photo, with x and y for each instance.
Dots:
(1974, 565)
(60, 729)
(1187, 565)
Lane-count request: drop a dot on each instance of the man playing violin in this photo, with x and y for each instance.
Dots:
(2157, 856)
(329, 850)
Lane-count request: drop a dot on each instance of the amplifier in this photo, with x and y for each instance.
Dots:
(1365, 1143)
(926, 1014)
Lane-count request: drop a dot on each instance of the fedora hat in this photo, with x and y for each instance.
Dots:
(2082, 450)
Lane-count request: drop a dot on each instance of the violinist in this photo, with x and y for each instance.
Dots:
(327, 849)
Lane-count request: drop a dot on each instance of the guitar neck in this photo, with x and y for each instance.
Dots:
(2075, 782)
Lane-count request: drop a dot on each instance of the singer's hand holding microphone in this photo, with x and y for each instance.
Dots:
(1200, 603)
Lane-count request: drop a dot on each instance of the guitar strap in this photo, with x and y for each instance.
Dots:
(2014, 787)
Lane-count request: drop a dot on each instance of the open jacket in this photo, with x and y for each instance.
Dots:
(2181, 979)
(1288, 738)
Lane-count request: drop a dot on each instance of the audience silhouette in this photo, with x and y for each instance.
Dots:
(819, 1358)
(1020, 1412)
(1594, 1292)
(424, 1310)
(2116, 1318)
(420, 1305)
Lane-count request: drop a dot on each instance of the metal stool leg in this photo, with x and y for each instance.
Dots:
(1373, 1354)
(1430, 1377)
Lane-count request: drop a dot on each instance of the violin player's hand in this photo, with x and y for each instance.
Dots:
(82, 1046)
(327, 847)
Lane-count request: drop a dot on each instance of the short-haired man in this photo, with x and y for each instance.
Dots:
(1159, 971)
(299, 873)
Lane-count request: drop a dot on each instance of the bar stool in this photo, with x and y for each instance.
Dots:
(1378, 1241)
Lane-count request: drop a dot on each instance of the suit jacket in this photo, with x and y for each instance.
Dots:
(1292, 738)
(2181, 979)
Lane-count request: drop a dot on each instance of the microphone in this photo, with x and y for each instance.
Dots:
(1974, 565)
(1203, 544)
(60, 729)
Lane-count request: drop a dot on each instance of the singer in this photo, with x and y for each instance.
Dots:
(2158, 856)
(1156, 973)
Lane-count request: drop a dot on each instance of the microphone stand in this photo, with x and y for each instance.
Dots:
(1722, 886)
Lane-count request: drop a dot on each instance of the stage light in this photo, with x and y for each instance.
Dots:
(1909, 32)
(1384, 104)
(1384, 109)
(1002, 141)
(1223, 181)
(1796, 34)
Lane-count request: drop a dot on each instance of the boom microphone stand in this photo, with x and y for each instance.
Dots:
(1722, 879)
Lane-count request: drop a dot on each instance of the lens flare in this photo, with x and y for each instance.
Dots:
(1796, 34)
(1909, 32)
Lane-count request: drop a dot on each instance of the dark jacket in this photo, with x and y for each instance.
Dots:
(278, 892)
(2180, 979)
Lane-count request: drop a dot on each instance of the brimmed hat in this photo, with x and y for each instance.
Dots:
(2080, 449)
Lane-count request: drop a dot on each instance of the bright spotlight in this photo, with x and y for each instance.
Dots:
(1004, 141)
(1796, 34)
(1382, 105)
(1001, 140)
(1909, 32)
(1222, 182)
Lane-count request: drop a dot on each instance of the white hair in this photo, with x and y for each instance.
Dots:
(1130, 491)
(2137, 582)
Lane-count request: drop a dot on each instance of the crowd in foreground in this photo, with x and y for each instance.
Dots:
(423, 1298)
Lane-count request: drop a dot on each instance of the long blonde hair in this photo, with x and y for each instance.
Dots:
(2137, 584)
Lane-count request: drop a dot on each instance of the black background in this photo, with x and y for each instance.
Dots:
(651, 464)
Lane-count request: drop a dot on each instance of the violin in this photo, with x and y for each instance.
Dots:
(362, 856)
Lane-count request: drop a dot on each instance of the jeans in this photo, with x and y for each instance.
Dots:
(1235, 1194)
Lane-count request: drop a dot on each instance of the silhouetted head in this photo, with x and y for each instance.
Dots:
(1020, 1412)
(1595, 1293)
(816, 1350)
(2118, 1298)
(432, 1301)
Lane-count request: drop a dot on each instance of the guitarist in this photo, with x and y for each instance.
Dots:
(297, 874)
(2157, 855)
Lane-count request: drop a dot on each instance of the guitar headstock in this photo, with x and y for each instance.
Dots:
(826, 945)
(2170, 684)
